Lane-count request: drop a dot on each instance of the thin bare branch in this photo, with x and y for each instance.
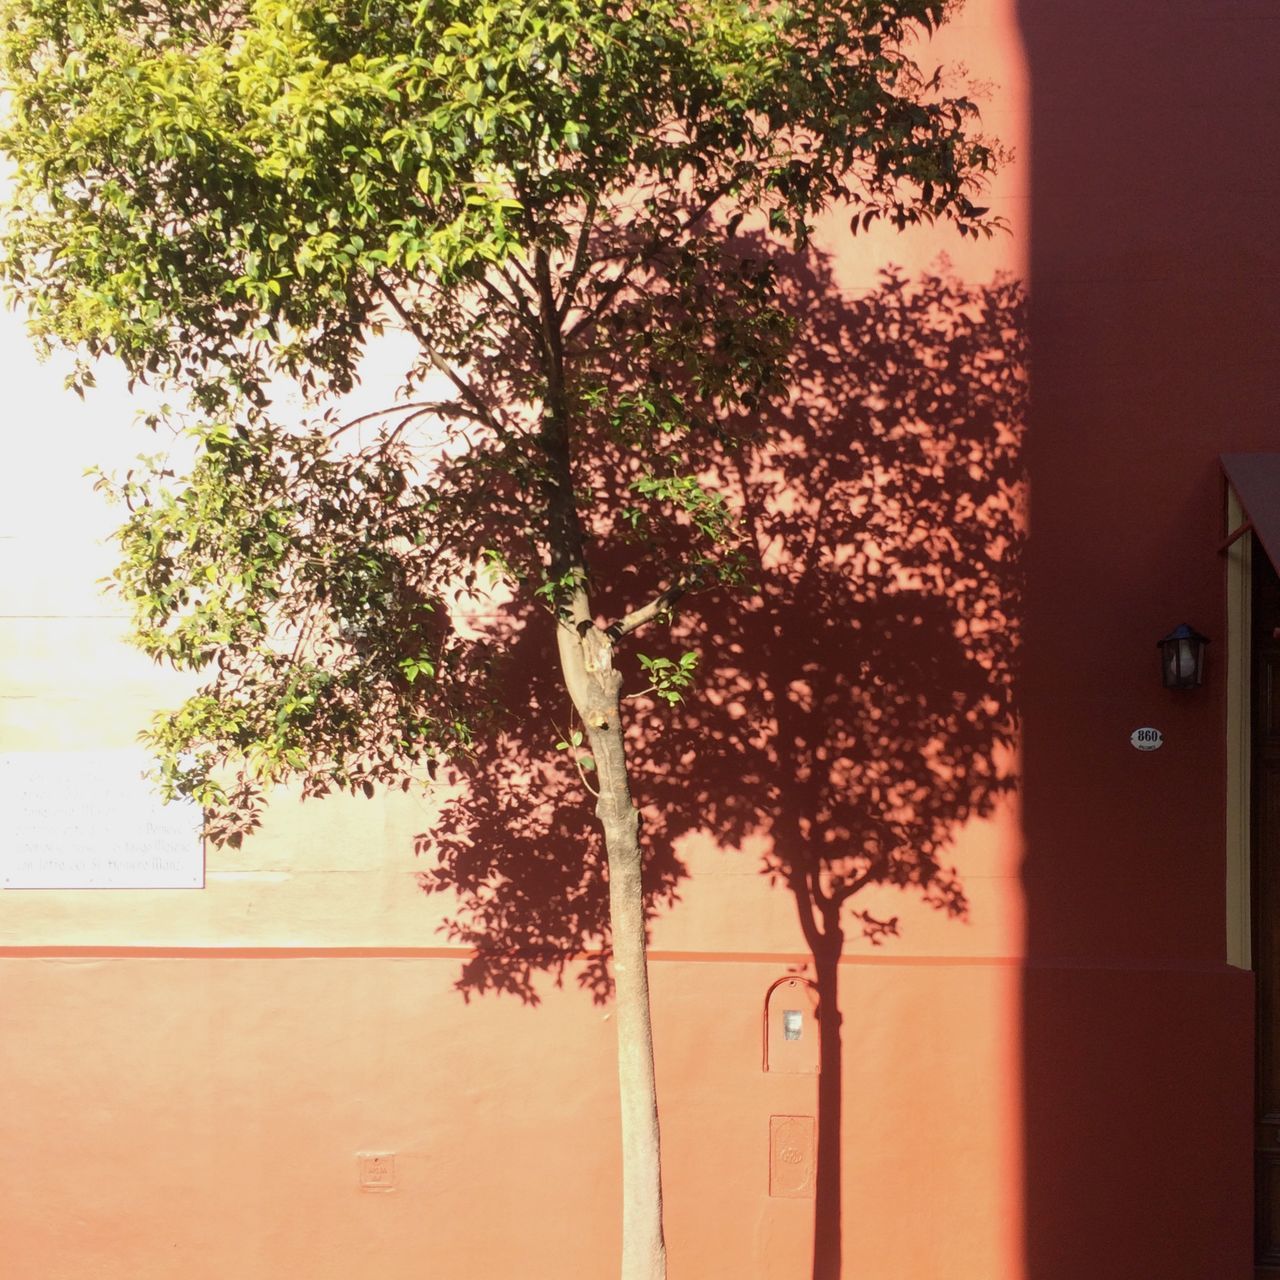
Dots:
(414, 408)
(484, 411)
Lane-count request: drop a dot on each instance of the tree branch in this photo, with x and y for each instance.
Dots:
(566, 541)
(655, 246)
(659, 605)
(517, 304)
(524, 271)
(580, 260)
(414, 408)
(468, 393)
(846, 891)
(806, 905)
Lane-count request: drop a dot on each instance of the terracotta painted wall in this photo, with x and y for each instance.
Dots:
(1055, 1088)
(1153, 256)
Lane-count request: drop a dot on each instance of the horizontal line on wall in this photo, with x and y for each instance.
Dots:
(657, 955)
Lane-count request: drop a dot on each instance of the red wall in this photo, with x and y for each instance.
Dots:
(1153, 265)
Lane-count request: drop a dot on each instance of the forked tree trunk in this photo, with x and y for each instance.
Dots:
(595, 688)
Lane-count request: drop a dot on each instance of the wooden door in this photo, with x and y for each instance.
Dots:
(1265, 861)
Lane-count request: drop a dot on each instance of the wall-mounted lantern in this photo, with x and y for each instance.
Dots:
(1182, 658)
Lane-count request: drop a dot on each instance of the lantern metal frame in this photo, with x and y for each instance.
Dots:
(1182, 654)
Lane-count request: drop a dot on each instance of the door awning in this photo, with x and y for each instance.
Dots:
(1256, 479)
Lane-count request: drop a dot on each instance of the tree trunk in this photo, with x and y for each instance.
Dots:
(595, 688)
(827, 1226)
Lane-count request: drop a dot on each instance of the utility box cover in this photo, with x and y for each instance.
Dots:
(792, 1157)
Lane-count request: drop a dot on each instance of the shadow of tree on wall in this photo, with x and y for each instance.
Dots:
(853, 706)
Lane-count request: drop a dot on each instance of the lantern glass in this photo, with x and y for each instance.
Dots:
(1182, 658)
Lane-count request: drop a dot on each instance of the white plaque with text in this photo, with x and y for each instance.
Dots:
(91, 820)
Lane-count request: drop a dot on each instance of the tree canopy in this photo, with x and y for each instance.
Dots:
(545, 194)
(574, 209)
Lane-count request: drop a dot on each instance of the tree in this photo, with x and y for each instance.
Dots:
(853, 713)
(551, 198)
